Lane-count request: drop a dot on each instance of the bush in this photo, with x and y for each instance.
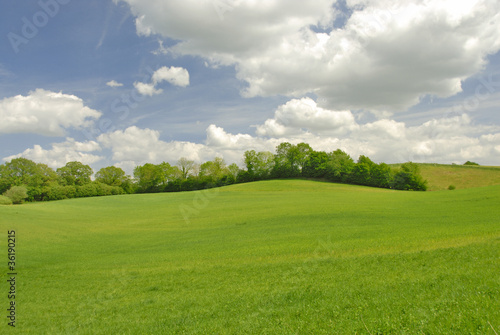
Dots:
(5, 200)
(408, 178)
(451, 187)
(17, 194)
(471, 163)
(58, 192)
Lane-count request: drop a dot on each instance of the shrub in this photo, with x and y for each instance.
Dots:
(58, 192)
(470, 163)
(408, 178)
(451, 187)
(17, 194)
(5, 200)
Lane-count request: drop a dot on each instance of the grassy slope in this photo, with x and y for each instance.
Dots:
(276, 257)
(440, 176)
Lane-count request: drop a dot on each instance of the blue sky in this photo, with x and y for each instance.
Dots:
(394, 80)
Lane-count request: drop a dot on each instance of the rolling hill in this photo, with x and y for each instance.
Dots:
(273, 257)
(441, 176)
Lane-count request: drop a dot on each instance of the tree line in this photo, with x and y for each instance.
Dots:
(22, 179)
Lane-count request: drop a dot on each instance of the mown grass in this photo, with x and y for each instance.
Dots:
(440, 176)
(275, 257)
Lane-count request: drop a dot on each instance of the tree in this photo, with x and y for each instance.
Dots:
(111, 175)
(250, 159)
(339, 167)
(149, 177)
(75, 173)
(382, 175)
(362, 172)
(264, 164)
(115, 176)
(22, 171)
(286, 161)
(19, 171)
(185, 166)
(233, 171)
(315, 165)
(167, 173)
(408, 178)
(303, 152)
(213, 170)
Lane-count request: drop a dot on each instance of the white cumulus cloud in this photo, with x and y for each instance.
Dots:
(45, 113)
(385, 57)
(176, 76)
(147, 89)
(62, 153)
(145, 146)
(299, 115)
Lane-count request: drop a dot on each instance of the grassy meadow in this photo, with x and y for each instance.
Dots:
(272, 257)
(440, 176)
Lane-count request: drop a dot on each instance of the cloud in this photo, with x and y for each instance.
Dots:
(385, 57)
(298, 116)
(135, 146)
(62, 153)
(176, 76)
(147, 89)
(114, 83)
(144, 146)
(442, 140)
(45, 113)
(454, 139)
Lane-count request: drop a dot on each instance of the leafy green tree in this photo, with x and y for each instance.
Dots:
(75, 173)
(362, 172)
(409, 178)
(303, 152)
(316, 165)
(264, 164)
(149, 177)
(22, 171)
(213, 170)
(19, 171)
(286, 161)
(381, 175)
(170, 173)
(339, 167)
(111, 175)
(234, 169)
(115, 176)
(186, 166)
(250, 159)
(259, 164)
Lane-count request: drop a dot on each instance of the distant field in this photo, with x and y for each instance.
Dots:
(441, 176)
(274, 257)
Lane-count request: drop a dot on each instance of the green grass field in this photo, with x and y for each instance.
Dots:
(275, 257)
(440, 176)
